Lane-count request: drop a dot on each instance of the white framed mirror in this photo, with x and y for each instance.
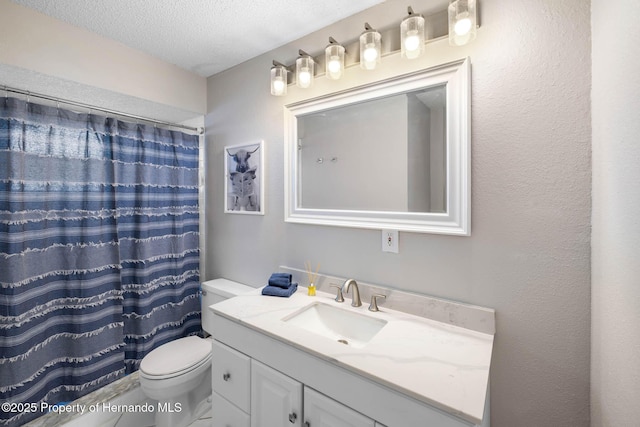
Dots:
(393, 154)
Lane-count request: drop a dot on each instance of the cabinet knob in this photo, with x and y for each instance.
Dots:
(307, 424)
(226, 376)
(293, 417)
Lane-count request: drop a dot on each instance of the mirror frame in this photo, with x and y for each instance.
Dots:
(457, 218)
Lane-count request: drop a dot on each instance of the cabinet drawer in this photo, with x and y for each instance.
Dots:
(319, 410)
(231, 376)
(226, 414)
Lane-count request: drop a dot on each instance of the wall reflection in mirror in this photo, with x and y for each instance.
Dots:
(385, 154)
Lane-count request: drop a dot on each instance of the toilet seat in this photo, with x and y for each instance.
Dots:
(176, 358)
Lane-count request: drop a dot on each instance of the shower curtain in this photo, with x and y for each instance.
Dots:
(99, 259)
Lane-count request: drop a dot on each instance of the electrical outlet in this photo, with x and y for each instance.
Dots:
(390, 241)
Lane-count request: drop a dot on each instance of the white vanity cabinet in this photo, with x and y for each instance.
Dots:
(276, 399)
(269, 372)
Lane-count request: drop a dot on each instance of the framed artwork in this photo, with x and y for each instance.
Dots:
(244, 178)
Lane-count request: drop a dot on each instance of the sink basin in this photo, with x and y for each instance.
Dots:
(337, 324)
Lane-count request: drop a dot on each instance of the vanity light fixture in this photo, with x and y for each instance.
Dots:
(463, 24)
(370, 48)
(412, 35)
(462, 21)
(278, 79)
(334, 59)
(305, 67)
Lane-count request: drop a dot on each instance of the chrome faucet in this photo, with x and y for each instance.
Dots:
(355, 301)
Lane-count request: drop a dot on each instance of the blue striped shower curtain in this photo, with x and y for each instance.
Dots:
(99, 259)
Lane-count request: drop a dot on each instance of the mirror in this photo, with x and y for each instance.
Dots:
(390, 155)
(399, 140)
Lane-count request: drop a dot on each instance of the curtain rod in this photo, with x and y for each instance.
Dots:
(7, 89)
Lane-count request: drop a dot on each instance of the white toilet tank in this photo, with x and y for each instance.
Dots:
(217, 290)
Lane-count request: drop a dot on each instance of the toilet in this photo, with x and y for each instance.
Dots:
(178, 374)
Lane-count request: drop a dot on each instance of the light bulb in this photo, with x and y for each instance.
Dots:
(304, 77)
(334, 69)
(278, 87)
(370, 54)
(412, 41)
(334, 64)
(462, 26)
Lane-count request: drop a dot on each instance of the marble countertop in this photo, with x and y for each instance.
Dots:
(442, 365)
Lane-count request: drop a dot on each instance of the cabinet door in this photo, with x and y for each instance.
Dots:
(276, 399)
(321, 411)
(226, 414)
(231, 375)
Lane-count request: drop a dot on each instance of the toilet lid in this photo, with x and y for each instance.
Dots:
(176, 356)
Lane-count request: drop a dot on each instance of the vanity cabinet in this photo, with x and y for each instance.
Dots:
(285, 385)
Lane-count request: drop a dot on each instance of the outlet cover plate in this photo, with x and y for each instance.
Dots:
(390, 241)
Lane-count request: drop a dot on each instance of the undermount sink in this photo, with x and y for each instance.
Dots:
(338, 324)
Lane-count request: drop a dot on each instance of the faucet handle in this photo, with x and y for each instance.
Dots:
(339, 296)
(374, 301)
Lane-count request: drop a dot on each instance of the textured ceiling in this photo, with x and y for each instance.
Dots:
(203, 36)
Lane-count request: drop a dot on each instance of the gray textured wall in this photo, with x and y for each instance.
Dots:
(529, 252)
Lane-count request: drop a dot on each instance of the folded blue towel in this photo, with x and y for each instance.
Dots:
(276, 291)
(281, 280)
(285, 275)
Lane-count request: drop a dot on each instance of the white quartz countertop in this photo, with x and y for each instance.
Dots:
(439, 364)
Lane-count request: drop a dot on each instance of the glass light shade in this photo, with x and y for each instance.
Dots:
(334, 61)
(370, 49)
(278, 80)
(462, 21)
(304, 71)
(412, 36)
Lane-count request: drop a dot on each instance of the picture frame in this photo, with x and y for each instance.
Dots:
(244, 178)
